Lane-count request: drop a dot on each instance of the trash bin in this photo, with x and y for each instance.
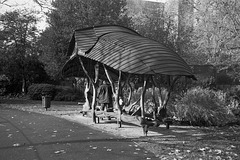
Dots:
(46, 102)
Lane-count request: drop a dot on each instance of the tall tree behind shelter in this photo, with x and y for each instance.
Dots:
(69, 15)
(19, 36)
(216, 33)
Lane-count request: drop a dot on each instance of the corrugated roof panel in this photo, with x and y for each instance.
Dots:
(124, 49)
(87, 37)
(133, 57)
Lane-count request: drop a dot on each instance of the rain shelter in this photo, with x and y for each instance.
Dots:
(119, 53)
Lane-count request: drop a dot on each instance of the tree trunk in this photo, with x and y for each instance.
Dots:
(164, 96)
(154, 102)
(93, 85)
(86, 106)
(145, 80)
(23, 86)
(94, 102)
(128, 101)
(116, 92)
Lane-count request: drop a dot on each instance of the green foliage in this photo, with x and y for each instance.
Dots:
(19, 28)
(204, 107)
(58, 93)
(137, 93)
(233, 98)
(215, 34)
(150, 20)
(233, 92)
(223, 79)
(228, 74)
(36, 91)
(148, 99)
(19, 58)
(70, 15)
(33, 73)
(68, 94)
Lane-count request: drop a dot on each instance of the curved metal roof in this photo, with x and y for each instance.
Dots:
(73, 68)
(124, 49)
(86, 38)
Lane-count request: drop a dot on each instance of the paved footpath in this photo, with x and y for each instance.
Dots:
(32, 136)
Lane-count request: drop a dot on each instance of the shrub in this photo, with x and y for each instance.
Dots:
(36, 91)
(64, 93)
(233, 92)
(203, 107)
(233, 97)
(148, 103)
(223, 79)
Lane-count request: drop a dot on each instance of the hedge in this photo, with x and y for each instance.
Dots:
(58, 93)
(36, 91)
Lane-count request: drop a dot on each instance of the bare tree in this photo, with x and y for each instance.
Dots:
(4, 3)
(217, 30)
(44, 4)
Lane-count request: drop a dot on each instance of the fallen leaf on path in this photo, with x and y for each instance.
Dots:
(177, 151)
(60, 151)
(16, 144)
(188, 151)
(218, 151)
(30, 147)
(232, 146)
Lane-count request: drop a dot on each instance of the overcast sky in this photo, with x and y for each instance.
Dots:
(24, 4)
(15, 4)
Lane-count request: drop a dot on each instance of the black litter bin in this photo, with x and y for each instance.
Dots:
(46, 102)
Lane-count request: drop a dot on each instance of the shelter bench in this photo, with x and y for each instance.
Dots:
(103, 114)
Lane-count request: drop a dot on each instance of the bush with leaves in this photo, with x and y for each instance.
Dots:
(204, 107)
(233, 97)
(64, 93)
(36, 91)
